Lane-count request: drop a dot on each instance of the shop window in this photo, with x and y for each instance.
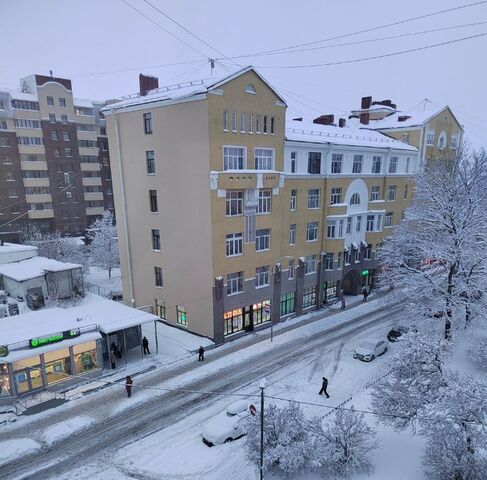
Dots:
(233, 321)
(287, 303)
(57, 365)
(309, 297)
(85, 357)
(181, 316)
(27, 374)
(259, 313)
(330, 290)
(5, 387)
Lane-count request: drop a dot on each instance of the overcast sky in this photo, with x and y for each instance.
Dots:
(83, 40)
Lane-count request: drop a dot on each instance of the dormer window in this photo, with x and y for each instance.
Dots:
(250, 89)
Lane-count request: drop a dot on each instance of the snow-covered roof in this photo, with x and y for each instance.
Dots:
(15, 247)
(83, 102)
(34, 267)
(184, 90)
(108, 315)
(19, 95)
(297, 131)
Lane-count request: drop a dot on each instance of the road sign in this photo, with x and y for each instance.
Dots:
(267, 308)
(252, 409)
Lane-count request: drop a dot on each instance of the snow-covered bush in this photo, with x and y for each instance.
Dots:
(287, 445)
(477, 351)
(342, 445)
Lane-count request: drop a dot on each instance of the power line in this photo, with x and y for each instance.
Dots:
(337, 37)
(375, 57)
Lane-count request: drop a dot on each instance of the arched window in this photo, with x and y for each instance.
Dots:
(250, 89)
(442, 140)
(355, 200)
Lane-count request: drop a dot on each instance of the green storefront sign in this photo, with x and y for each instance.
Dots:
(364, 273)
(3, 350)
(56, 337)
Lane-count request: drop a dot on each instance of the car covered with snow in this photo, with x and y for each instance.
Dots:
(228, 425)
(396, 333)
(370, 349)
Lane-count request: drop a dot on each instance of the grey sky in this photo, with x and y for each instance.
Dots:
(76, 38)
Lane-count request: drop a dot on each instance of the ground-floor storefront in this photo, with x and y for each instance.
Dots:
(246, 318)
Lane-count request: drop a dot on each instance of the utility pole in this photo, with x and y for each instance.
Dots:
(262, 387)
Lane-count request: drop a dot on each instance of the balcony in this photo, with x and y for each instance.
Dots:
(38, 198)
(93, 196)
(90, 151)
(91, 181)
(37, 182)
(243, 179)
(40, 214)
(33, 165)
(94, 210)
(90, 167)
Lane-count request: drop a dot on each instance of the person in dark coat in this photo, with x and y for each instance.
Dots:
(112, 359)
(128, 385)
(324, 387)
(201, 354)
(365, 291)
(343, 301)
(145, 344)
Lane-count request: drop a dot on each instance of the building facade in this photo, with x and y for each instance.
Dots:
(54, 161)
(228, 218)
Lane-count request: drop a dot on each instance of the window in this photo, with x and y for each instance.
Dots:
(234, 121)
(234, 244)
(340, 228)
(147, 123)
(370, 223)
(272, 125)
(50, 101)
(262, 239)
(405, 138)
(10, 176)
(250, 89)
(103, 130)
(376, 164)
(331, 229)
(442, 140)
(57, 152)
(378, 223)
(393, 165)
(294, 157)
(85, 357)
(2, 105)
(290, 272)
(30, 141)
(357, 163)
(453, 141)
(234, 203)
(388, 219)
(69, 195)
(62, 102)
(264, 158)
(312, 232)
(242, 123)
(374, 193)
(64, 118)
(336, 163)
(158, 276)
(309, 264)
(52, 118)
(181, 316)
(4, 142)
(264, 205)
(153, 201)
(391, 193)
(233, 158)
(25, 105)
(292, 234)
(356, 255)
(349, 225)
(430, 137)
(265, 124)
(408, 161)
(156, 239)
(314, 198)
(309, 297)
(233, 321)
(314, 162)
(67, 180)
(293, 200)
(54, 135)
(251, 123)
(7, 160)
(406, 191)
(347, 257)
(68, 152)
(258, 121)
(12, 193)
(235, 283)
(225, 120)
(150, 162)
(22, 123)
(262, 276)
(329, 261)
(339, 260)
(287, 303)
(355, 199)
(368, 252)
(358, 226)
(66, 136)
(336, 195)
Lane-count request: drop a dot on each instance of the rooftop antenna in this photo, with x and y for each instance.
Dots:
(425, 102)
(50, 73)
(212, 65)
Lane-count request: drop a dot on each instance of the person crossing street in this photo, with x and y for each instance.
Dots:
(324, 386)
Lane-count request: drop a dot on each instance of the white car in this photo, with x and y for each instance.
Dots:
(228, 425)
(370, 349)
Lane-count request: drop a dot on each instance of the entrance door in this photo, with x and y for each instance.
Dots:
(248, 318)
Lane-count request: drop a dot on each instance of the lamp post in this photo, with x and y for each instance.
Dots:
(276, 264)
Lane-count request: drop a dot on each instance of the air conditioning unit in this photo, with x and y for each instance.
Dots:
(69, 195)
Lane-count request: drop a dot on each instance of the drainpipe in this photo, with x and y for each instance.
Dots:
(124, 209)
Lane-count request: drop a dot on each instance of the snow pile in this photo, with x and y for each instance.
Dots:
(16, 447)
(65, 429)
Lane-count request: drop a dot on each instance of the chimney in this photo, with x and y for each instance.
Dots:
(403, 118)
(147, 83)
(364, 118)
(342, 122)
(366, 102)
(325, 120)
(299, 119)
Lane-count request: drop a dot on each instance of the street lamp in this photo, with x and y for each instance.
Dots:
(276, 263)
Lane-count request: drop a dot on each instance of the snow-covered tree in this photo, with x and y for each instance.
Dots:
(104, 243)
(439, 251)
(287, 445)
(477, 350)
(343, 444)
(415, 383)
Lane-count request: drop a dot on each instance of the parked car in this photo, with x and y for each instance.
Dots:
(396, 333)
(370, 349)
(228, 425)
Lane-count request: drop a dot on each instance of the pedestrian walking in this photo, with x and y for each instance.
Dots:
(324, 387)
(113, 359)
(145, 344)
(201, 354)
(128, 385)
(365, 291)
(343, 302)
